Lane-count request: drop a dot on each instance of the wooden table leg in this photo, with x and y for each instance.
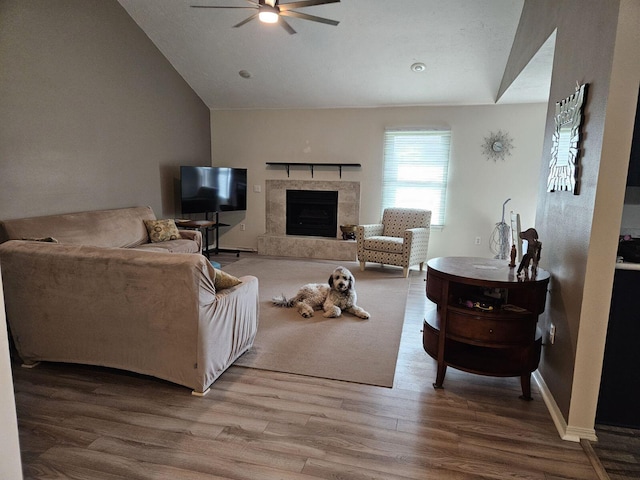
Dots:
(442, 371)
(442, 338)
(525, 383)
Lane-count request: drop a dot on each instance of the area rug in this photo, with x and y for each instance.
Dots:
(345, 348)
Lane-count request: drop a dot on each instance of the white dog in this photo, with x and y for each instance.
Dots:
(334, 297)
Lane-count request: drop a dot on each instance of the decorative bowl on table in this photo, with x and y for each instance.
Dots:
(348, 232)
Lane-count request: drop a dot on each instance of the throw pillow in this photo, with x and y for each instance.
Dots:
(224, 280)
(162, 230)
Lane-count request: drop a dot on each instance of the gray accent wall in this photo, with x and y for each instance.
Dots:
(596, 43)
(92, 115)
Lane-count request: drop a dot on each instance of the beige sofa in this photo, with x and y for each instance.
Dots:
(103, 295)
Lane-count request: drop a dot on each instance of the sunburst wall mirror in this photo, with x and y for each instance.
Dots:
(563, 166)
(497, 146)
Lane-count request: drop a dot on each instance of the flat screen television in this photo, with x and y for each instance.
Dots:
(213, 189)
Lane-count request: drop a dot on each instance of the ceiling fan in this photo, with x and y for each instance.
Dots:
(272, 11)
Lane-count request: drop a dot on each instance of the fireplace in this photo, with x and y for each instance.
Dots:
(312, 213)
(277, 242)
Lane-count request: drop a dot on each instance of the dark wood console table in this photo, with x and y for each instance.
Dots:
(485, 321)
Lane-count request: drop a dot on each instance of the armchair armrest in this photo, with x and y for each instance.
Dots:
(416, 240)
(416, 235)
(417, 231)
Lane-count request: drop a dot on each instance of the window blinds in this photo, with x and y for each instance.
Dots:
(416, 164)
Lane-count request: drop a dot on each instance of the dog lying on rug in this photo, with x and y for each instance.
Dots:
(334, 297)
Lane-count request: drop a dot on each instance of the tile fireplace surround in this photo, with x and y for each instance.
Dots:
(275, 241)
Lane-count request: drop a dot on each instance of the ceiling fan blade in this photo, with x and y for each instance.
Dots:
(313, 18)
(252, 2)
(286, 26)
(246, 20)
(305, 3)
(209, 6)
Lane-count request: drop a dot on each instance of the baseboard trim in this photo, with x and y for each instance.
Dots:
(566, 432)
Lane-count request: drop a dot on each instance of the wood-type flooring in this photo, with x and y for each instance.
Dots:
(618, 450)
(84, 422)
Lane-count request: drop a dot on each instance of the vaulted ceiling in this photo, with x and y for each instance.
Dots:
(364, 61)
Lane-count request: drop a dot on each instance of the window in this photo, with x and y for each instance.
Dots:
(416, 163)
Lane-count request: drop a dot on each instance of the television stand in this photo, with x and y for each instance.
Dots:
(216, 227)
(206, 226)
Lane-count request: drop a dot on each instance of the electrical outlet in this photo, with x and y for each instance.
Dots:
(243, 227)
(478, 240)
(552, 334)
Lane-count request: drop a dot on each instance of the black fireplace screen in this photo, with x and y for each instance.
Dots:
(312, 213)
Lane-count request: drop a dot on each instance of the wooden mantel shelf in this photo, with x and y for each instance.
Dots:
(311, 165)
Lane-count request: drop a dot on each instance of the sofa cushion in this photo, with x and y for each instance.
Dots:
(384, 244)
(162, 230)
(182, 245)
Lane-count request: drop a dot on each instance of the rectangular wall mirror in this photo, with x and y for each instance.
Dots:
(563, 167)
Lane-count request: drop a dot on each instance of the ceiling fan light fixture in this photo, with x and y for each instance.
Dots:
(270, 11)
(268, 14)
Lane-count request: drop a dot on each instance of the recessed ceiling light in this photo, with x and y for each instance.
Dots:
(244, 74)
(418, 67)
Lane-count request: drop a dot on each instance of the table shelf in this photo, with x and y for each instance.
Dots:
(505, 361)
(207, 226)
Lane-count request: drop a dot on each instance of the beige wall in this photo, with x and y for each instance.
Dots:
(477, 187)
(92, 115)
(596, 43)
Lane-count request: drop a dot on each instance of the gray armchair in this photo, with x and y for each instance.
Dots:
(402, 239)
